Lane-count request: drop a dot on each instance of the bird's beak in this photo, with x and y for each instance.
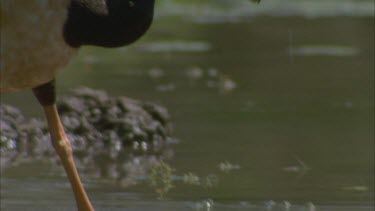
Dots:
(255, 1)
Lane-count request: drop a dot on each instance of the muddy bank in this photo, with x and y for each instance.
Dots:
(113, 137)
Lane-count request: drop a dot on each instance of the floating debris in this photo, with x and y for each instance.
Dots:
(156, 73)
(210, 181)
(212, 72)
(356, 188)
(310, 207)
(205, 205)
(287, 205)
(227, 167)
(212, 78)
(226, 85)
(208, 204)
(301, 169)
(191, 179)
(194, 73)
(269, 205)
(166, 87)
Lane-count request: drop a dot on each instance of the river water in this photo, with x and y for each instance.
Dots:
(276, 106)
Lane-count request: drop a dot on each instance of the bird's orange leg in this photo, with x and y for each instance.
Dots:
(46, 96)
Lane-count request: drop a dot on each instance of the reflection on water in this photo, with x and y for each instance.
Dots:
(299, 128)
(324, 51)
(175, 46)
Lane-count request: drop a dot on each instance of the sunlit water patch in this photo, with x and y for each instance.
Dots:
(324, 50)
(175, 46)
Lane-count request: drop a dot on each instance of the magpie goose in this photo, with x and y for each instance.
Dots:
(39, 37)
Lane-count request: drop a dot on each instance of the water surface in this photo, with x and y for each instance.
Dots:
(289, 100)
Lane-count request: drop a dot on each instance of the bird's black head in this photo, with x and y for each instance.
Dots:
(107, 23)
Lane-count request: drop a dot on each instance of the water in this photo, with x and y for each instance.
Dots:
(279, 107)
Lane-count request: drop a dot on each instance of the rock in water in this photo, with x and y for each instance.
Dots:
(115, 137)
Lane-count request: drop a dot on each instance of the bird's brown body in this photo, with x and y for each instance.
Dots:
(33, 49)
(38, 37)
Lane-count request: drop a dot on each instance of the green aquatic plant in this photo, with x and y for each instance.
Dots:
(160, 178)
(210, 181)
(191, 179)
(226, 167)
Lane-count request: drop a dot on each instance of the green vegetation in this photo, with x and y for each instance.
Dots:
(162, 180)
